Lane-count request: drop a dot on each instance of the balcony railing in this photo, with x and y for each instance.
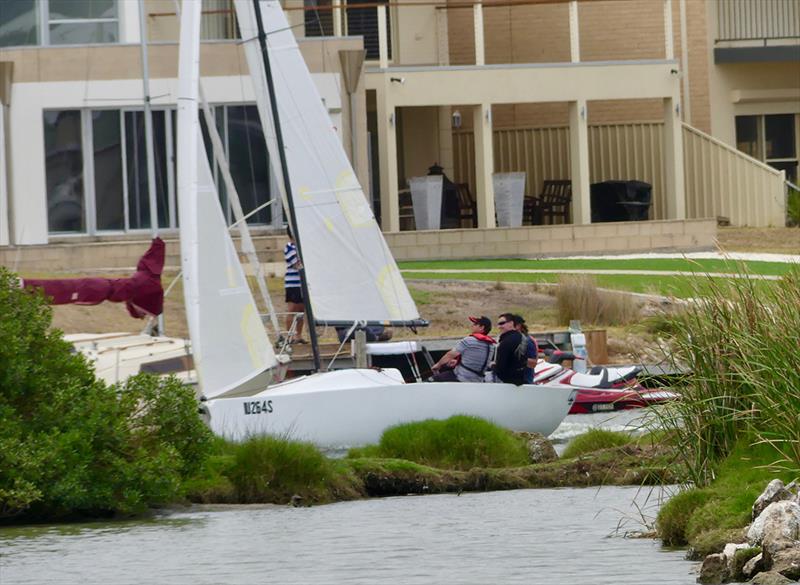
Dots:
(747, 20)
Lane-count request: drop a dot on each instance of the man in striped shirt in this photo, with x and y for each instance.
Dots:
(294, 292)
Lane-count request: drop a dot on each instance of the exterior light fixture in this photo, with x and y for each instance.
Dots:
(391, 119)
(456, 119)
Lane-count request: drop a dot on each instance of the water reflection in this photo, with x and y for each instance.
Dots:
(526, 536)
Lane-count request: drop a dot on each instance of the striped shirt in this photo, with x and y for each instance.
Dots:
(292, 278)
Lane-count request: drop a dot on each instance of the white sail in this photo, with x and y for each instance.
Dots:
(230, 347)
(351, 274)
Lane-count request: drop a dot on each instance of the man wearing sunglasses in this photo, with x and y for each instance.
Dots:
(510, 359)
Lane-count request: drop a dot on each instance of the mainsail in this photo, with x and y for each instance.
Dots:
(351, 274)
(232, 353)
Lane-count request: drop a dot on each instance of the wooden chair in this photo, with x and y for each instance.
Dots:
(467, 208)
(406, 210)
(553, 202)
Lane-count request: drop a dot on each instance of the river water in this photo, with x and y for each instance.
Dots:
(546, 536)
(551, 536)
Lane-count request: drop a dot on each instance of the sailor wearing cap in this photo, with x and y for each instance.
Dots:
(468, 360)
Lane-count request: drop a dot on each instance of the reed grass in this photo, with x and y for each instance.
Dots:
(578, 297)
(460, 442)
(740, 343)
(273, 469)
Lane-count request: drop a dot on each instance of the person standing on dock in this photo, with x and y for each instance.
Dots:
(468, 360)
(295, 305)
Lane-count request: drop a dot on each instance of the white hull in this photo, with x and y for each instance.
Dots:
(353, 407)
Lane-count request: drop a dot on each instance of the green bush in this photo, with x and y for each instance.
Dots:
(674, 516)
(793, 208)
(594, 440)
(69, 444)
(460, 442)
(272, 469)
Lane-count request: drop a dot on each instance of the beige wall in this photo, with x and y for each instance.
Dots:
(612, 30)
(420, 135)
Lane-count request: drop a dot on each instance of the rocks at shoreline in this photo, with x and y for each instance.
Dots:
(771, 555)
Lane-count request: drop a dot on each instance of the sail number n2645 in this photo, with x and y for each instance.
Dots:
(258, 407)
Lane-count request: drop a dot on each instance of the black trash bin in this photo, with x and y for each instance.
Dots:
(620, 201)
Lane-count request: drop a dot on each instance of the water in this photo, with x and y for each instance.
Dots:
(554, 536)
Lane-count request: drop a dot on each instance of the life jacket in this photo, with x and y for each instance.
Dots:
(486, 339)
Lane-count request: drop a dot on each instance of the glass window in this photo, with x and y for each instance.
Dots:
(18, 23)
(136, 155)
(747, 135)
(109, 197)
(249, 161)
(779, 135)
(790, 167)
(218, 20)
(319, 23)
(64, 171)
(364, 22)
(73, 22)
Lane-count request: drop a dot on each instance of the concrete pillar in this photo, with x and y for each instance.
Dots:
(574, 33)
(446, 156)
(337, 18)
(477, 15)
(579, 162)
(383, 39)
(673, 159)
(669, 43)
(484, 164)
(4, 237)
(387, 162)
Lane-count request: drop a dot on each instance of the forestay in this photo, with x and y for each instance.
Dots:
(229, 344)
(351, 274)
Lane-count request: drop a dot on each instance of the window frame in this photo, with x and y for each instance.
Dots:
(44, 21)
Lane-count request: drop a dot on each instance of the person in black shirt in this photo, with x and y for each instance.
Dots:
(510, 360)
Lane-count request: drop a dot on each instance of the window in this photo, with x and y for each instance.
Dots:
(19, 23)
(357, 22)
(77, 22)
(771, 138)
(108, 171)
(319, 23)
(63, 154)
(107, 147)
(58, 22)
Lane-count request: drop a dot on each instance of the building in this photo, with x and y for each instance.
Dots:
(700, 99)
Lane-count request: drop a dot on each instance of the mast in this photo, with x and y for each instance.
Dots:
(148, 138)
(262, 41)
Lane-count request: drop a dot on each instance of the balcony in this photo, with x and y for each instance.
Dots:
(751, 31)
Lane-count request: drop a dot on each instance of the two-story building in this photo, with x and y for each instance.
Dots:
(701, 99)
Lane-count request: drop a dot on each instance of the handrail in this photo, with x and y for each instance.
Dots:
(731, 149)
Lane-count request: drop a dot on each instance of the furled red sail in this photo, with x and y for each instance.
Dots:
(142, 292)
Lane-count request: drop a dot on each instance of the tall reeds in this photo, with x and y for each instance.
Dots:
(741, 343)
(579, 298)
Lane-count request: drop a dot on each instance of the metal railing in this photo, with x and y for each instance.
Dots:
(741, 20)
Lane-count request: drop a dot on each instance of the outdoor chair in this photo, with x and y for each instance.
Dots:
(552, 203)
(406, 210)
(467, 209)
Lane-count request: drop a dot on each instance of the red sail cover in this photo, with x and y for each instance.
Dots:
(142, 293)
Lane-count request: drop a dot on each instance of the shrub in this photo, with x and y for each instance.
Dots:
(272, 469)
(71, 445)
(578, 298)
(594, 440)
(793, 207)
(674, 516)
(460, 442)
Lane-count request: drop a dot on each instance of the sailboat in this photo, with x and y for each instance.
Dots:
(350, 274)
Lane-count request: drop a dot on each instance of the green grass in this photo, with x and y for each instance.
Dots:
(460, 442)
(705, 517)
(556, 264)
(270, 469)
(594, 440)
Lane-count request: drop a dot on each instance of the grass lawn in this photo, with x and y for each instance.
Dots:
(671, 285)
